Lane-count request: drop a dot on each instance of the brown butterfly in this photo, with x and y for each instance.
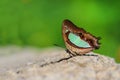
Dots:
(77, 40)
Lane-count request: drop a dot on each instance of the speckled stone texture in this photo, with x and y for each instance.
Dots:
(55, 64)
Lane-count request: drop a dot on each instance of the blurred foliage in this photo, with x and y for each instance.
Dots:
(38, 22)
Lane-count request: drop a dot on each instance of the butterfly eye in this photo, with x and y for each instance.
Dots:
(66, 31)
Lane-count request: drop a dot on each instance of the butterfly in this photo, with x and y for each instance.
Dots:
(77, 40)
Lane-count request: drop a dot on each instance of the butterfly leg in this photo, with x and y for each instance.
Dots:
(71, 55)
(89, 55)
(78, 54)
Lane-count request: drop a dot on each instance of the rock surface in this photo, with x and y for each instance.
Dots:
(55, 64)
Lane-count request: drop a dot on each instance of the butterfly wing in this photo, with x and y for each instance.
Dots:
(77, 40)
(74, 39)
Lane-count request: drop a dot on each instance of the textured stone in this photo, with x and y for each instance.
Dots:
(55, 64)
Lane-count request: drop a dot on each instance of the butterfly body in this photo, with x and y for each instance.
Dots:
(77, 40)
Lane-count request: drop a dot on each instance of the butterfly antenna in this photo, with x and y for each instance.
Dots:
(58, 45)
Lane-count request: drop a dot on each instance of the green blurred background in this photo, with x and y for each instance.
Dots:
(38, 22)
